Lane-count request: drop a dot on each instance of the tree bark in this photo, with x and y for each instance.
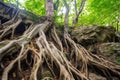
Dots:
(49, 9)
(66, 19)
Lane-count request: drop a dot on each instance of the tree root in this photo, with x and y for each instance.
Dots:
(70, 64)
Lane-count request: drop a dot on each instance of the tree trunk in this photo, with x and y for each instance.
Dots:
(80, 10)
(49, 9)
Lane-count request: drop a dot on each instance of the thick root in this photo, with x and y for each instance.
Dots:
(36, 52)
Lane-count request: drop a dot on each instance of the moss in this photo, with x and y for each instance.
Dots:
(118, 60)
(46, 74)
(91, 35)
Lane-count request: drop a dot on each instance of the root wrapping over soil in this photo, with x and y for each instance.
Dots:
(40, 53)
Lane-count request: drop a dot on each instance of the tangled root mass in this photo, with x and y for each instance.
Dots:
(38, 52)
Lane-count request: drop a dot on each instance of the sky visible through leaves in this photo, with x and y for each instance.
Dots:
(95, 12)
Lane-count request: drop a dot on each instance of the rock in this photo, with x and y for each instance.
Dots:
(46, 74)
(94, 76)
(91, 35)
(100, 40)
(118, 36)
(110, 50)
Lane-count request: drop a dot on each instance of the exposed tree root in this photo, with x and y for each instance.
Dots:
(47, 53)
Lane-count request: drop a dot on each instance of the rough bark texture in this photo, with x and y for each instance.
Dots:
(49, 9)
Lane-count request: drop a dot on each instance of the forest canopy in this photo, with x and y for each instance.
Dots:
(100, 12)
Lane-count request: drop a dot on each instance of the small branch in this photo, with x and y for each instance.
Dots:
(75, 6)
(80, 10)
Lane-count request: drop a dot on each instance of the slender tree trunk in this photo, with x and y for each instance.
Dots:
(66, 19)
(80, 10)
(75, 5)
(49, 9)
(56, 5)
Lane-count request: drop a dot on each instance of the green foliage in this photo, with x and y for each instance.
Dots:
(100, 12)
(36, 6)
